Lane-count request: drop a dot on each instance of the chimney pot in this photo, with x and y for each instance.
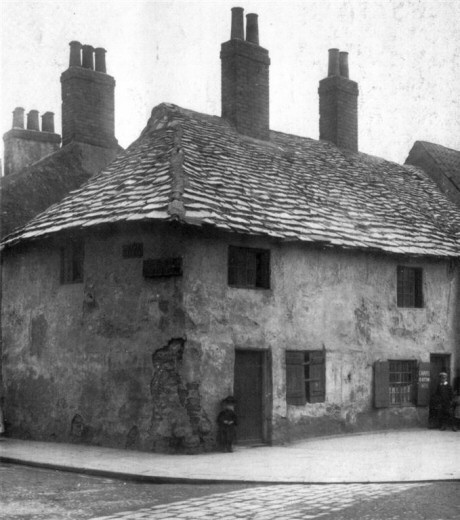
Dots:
(237, 31)
(252, 28)
(88, 62)
(75, 54)
(32, 120)
(48, 122)
(343, 60)
(18, 117)
(334, 67)
(100, 59)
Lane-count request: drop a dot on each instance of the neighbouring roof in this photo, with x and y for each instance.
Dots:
(197, 168)
(446, 160)
(23, 195)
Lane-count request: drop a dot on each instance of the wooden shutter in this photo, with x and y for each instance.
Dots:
(381, 384)
(295, 377)
(317, 376)
(423, 384)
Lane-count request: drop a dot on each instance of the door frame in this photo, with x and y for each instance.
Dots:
(266, 383)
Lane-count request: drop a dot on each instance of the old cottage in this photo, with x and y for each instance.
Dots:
(316, 283)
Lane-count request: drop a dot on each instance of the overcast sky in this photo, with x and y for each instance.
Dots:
(405, 56)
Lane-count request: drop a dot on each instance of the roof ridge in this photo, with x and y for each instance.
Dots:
(176, 206)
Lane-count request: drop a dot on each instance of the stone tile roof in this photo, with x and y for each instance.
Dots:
(198, 169)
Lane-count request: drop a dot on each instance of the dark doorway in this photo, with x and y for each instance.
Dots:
(438, 363)
(250, 390)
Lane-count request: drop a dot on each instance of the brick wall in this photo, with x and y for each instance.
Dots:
(88, 107)
(245, 87)
(338, 111)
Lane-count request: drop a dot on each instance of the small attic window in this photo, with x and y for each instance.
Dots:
(72, 257)
(133, 250)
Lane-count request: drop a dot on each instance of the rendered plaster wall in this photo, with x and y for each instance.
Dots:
(121, 360)
(343, 302)
(104, 361)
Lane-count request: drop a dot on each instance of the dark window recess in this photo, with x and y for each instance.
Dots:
(134, 250)
(409, 286)
(72, 257)
(160, 267)
(249, 267)
(305, 376)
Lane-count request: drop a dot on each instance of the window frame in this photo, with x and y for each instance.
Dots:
(248, 267)
(409, 287)
(400, 370)
(72, 261)
(303, 386)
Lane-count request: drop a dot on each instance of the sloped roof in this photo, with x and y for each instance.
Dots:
(446, 159)
(23, 195)
(198, 169)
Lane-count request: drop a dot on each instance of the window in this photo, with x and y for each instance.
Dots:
(249, 267)
(72, 256)
(402, 382)
(305, 376)
(409, 286)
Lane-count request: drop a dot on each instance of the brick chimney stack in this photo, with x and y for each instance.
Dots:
(245, 78)
(24, 146)
(88, 98)
(338, 104)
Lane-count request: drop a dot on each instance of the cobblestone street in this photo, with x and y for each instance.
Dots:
(273, 502)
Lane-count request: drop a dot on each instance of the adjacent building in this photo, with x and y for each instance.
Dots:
(316, 283)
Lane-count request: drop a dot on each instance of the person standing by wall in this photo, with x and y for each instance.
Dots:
(445, 397)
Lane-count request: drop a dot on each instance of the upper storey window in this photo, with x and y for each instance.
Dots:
(72, 256)
(249, 267)
(409, 286)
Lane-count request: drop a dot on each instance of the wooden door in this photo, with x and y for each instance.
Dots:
(249, 395)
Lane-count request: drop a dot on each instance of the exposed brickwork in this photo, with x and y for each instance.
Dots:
(88, 107)
(245, 87)
(338, 112)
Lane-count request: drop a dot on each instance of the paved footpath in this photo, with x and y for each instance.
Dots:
(297, 502)
(416, 455)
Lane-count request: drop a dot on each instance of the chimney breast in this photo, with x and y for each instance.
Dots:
(87, 61)
(245, 79)
(32, 120)
(75, 54)
(25, 146)
(252, 28)
(338, 104)
(100, 59)
(237, 31)
(88, 101)
(18, 117)
(48, 122)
